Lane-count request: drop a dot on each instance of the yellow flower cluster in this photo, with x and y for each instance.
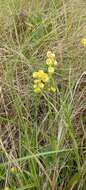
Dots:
(83, 42)
(42, 79)
(51, 59)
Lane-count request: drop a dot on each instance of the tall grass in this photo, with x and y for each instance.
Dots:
(42, 137)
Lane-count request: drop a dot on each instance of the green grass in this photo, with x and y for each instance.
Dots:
(44, 137)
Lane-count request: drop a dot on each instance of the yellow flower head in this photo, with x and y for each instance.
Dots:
(35, 86)
(45, 78)
(83, 42)
(55, 62)
(35, 74)
(6, 188)
(37, 90)
(51, 70)
(40, 76)
(38, 85)
(52, 89)
(50, 55)
(41, 85)
(49, 61)
(36, 81)
(13, 170)
(40, 73)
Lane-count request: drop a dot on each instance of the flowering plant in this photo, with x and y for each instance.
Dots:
(43, 80)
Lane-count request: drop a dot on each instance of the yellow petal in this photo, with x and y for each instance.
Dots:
(52, 89)
(49, 53)
(13, 170)
(51, 70)
(49, 61)
(37, 90)
(41, 85)
(35, 74)
(53, 55)
(40, 73)
(45, 78)
(83, 42)
(36, 81)
(55, 62)
(35, 86)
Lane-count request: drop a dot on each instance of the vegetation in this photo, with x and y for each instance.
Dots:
(42, 127)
